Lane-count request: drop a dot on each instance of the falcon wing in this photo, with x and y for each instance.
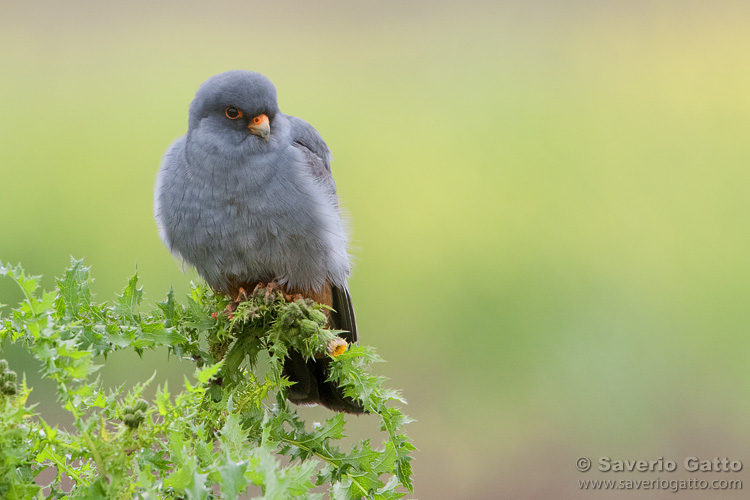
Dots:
(306, 139)
(318, 158)
(312, 376)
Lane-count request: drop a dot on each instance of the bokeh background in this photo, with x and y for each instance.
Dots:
(548, 200)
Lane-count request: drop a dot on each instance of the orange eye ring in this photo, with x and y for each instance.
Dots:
(258, 119)
(233, 113)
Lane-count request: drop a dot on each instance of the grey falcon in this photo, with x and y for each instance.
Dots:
(247, 198)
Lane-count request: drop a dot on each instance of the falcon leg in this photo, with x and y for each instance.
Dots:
(272, 287)
(232, 306)
(229, 310)
(241, 295)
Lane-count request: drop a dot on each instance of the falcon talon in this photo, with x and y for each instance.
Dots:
(271, 288)
(229, 310)
(288, 297)
(226, 164)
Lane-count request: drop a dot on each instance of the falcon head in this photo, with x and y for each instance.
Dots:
(236, 106)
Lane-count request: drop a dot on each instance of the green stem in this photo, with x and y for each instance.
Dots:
(97, 458)
(33, 326)
(71, 472)
(358, 485)
(28, 299)
(327, 459)
(330, 460)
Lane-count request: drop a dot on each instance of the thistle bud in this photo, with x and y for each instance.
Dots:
(141, 405)
(318, 316)
(308, 327)
(8, 389)
(131, 421)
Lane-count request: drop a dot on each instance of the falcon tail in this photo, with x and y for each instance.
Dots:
(311, 376)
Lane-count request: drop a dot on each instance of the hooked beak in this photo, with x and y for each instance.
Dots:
(260, 126)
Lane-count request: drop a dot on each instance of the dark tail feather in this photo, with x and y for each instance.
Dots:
(311, 376)
(312, 388)
(342, 317)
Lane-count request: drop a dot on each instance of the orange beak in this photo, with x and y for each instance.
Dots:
(260, 126)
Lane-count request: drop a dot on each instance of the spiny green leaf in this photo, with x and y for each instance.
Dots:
(129, 299)
(170, 309)
(73, 290)
(181, 478)
(232, 474)
(203, 375)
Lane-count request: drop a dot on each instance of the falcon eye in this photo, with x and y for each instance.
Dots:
(233, 113)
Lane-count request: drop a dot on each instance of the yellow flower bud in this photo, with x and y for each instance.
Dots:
(337, 346)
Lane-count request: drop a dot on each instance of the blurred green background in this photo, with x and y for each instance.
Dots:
(548, 200)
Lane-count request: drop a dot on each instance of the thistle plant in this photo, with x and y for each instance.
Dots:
(226, 431)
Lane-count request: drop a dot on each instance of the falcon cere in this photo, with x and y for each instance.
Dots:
(690, 464)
